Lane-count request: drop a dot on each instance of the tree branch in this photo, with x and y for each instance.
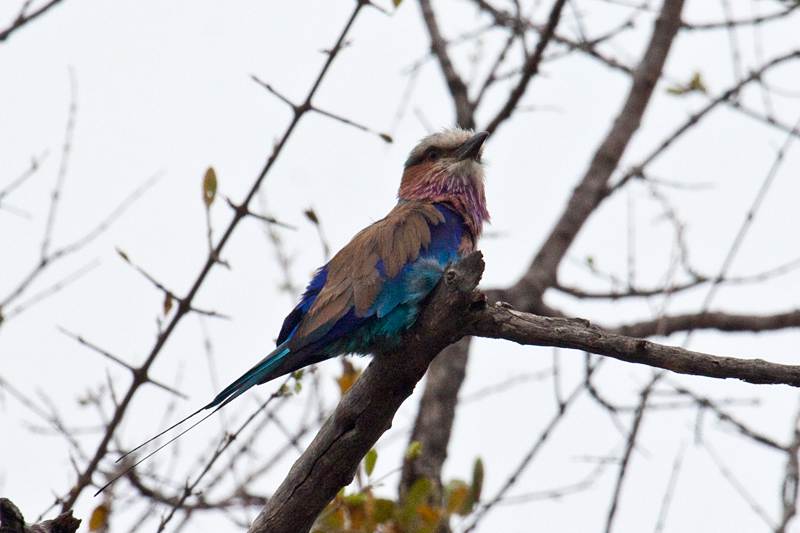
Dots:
(530, 68)
(458, 89)
(453, 311)
(23, 18)
(592, 190)
(12, 521)
(668, 325)
(499, 322)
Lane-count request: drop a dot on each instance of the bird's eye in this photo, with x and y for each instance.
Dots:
(433, 154)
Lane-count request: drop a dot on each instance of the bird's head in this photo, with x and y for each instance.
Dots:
(446, 167)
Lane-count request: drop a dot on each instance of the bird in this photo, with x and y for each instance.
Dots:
(371, 290)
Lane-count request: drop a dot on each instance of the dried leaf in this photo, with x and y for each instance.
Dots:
(429, 514)
(349, 376)
(334, 519)
(167, 303)
(99, 517)
(311, 215)
(456, 497)
(209, 187)
(385, 136)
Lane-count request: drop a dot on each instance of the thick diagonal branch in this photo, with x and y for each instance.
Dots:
(542, 273)
(367, 409)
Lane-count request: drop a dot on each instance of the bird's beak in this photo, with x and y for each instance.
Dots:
(472, 147)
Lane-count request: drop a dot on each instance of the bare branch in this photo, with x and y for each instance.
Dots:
(530, 68)
(542, 273)
(385, 137)
(117, 360)
(791, 479)
(499, 322)
(23, 18)
(62, 169)
(667, 325)
(739, 486)
(753, 21)
(85, 478)
(632, 436)
(526, 460)
(670, 492)
(458, 89)
(36, 163)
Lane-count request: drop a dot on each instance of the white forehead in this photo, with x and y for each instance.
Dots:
(447, 139)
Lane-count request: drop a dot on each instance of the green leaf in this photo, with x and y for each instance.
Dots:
(357, 498)
(419, 492)
(417, 495)
(414, 450)
(369, 461)
(477, 482)
(384, 136)
(384, 510)
(694, 85)
(209, 187)
(397, 3)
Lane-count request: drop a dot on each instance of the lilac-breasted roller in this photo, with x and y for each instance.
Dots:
(371, 290)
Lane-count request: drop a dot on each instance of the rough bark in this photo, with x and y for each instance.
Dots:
(500, 322)
(12, 521)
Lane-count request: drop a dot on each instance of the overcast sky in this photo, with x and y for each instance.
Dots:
(164, 89)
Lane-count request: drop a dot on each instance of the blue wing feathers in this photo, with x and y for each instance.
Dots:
(394, 309)
(291, 322)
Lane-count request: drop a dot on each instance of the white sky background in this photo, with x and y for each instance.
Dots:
(164, 88)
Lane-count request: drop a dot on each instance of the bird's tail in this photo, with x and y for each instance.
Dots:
(258, 374)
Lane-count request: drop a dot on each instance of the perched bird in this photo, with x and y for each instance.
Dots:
(372, 289)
